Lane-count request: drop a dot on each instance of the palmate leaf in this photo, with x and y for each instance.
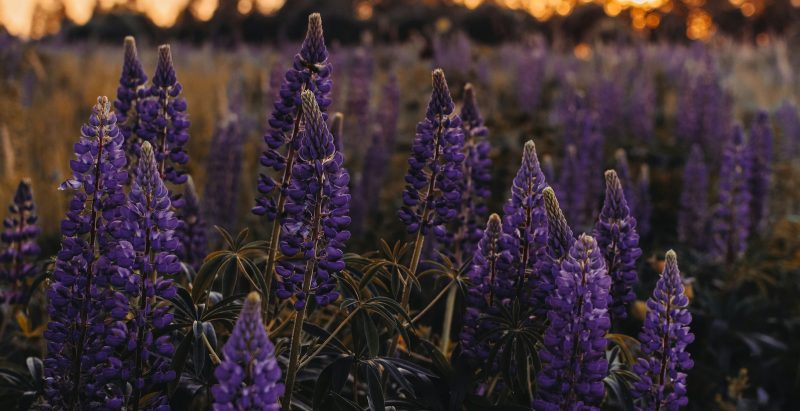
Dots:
(619, 380)
(238, 260)
(23, 387)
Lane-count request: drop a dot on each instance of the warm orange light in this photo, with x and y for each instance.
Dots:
(699, 25)
(203, 10)
(244, 6)
(583, 51)
(748, 9)
(653, 20)
(363, 10)
(762, 39)
(612, 9)
(269, 6)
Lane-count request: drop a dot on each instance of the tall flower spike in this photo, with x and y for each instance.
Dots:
(310, 71)
(664, 361)
(358, 98)
(82, 306)
(559, 241)
(574, 362)
(693, 211)
(20, 249)
(760, 147)
(525, 222)
(131, 81)
(316, 214)
(492, 282)
(431, 197)
(192, 230)
(788, 121)
(625, 175)
(249, 374)
(731, 220)
(224, 167)
(618, 240)
(152, 226)
(644, 211)
(163, 120)
(572, 186)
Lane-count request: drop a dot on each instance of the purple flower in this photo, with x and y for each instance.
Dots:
(492, 283)
(248, 377)
(192, 230)
(20, 249)
(641, 104)
(224, 166)
(623, 170)
(131, 82)
(530, 76)
(664, 361)
(572, 186)
(788, 122)
(730, 224)
(548, 168)
(559, 240)
(618, 240)
(315, 227)
(310, 71)
(574, 362)
(151, 227)
(760, 148)
(85, 311)
(358, 98)
(432, 194)
(163, 120)
(693, 212)
(703, 109)
(644, 209)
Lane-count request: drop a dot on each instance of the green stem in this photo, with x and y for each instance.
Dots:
(211, 353)
(432, 303)
(450, 305)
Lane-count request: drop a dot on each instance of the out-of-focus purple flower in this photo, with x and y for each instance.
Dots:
(150, 224)
(20, 249)
(530, 73)
(317, 213)
(693, 212)
(492, 279)
(358, 99)
(525, 223)
(607, 100)
(760, 148)
(192, 230)
(641, 104)
(644, 209)
(559, 238)
(163, 120)
(249, 375)
(572, 189)
(85, 311)
(574, 362)
(131, 82)
(310, 71)
(623, 169)
(592, 147)
(224, 167)
(703, 109)
(788, 121)
(730, 225)
(548, 168)
(432, 194)
(618, 240)
(664, 361)
(453, 53)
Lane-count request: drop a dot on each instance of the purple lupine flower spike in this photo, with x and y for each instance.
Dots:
(432, 194)
(618, 240)
(20, 249)
(664, 362)
(131, 81)
(559, 241)
(525, 222)
(192, 230)
(310, 70)
(644, 210)
(317, 211)
(625, 175)
(693, 211)
(151, 224)
(163, 120)
(788, 120)
(491, 279)
(731, 220)
(574, 362)
(572, 186)
(760, 147)
(249, 375)
(83, 308)
(224, 167)
(358, 98)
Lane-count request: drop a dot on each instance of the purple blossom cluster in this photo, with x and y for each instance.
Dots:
(19, 246)
(730, 223)
(760, 149)
(192, 230)
(317, 214)
(131, 85)
(224, 166)
(664, 362)
(693, 214)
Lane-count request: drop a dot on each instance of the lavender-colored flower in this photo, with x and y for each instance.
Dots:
(574, 362)
(492, 281)
(163, 120)
(693, 212)
(20, 249)
(526, 224)
(432, 197)
(664, 361)
(317, 211)
(788, 121)
(592, 146)
(618, 240)
(559, 241)
(730, 225)
(530, 76)
(249, 374)
(625, 175)
(644, 209)
(224, 168)
(607, 100)
(150, 224)
(85, 312)
(641, 104)
(310, 71)
(131, 82)
(703, 109)
(572, 186)
(192, 230)
(358, 98)
(760, 148)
